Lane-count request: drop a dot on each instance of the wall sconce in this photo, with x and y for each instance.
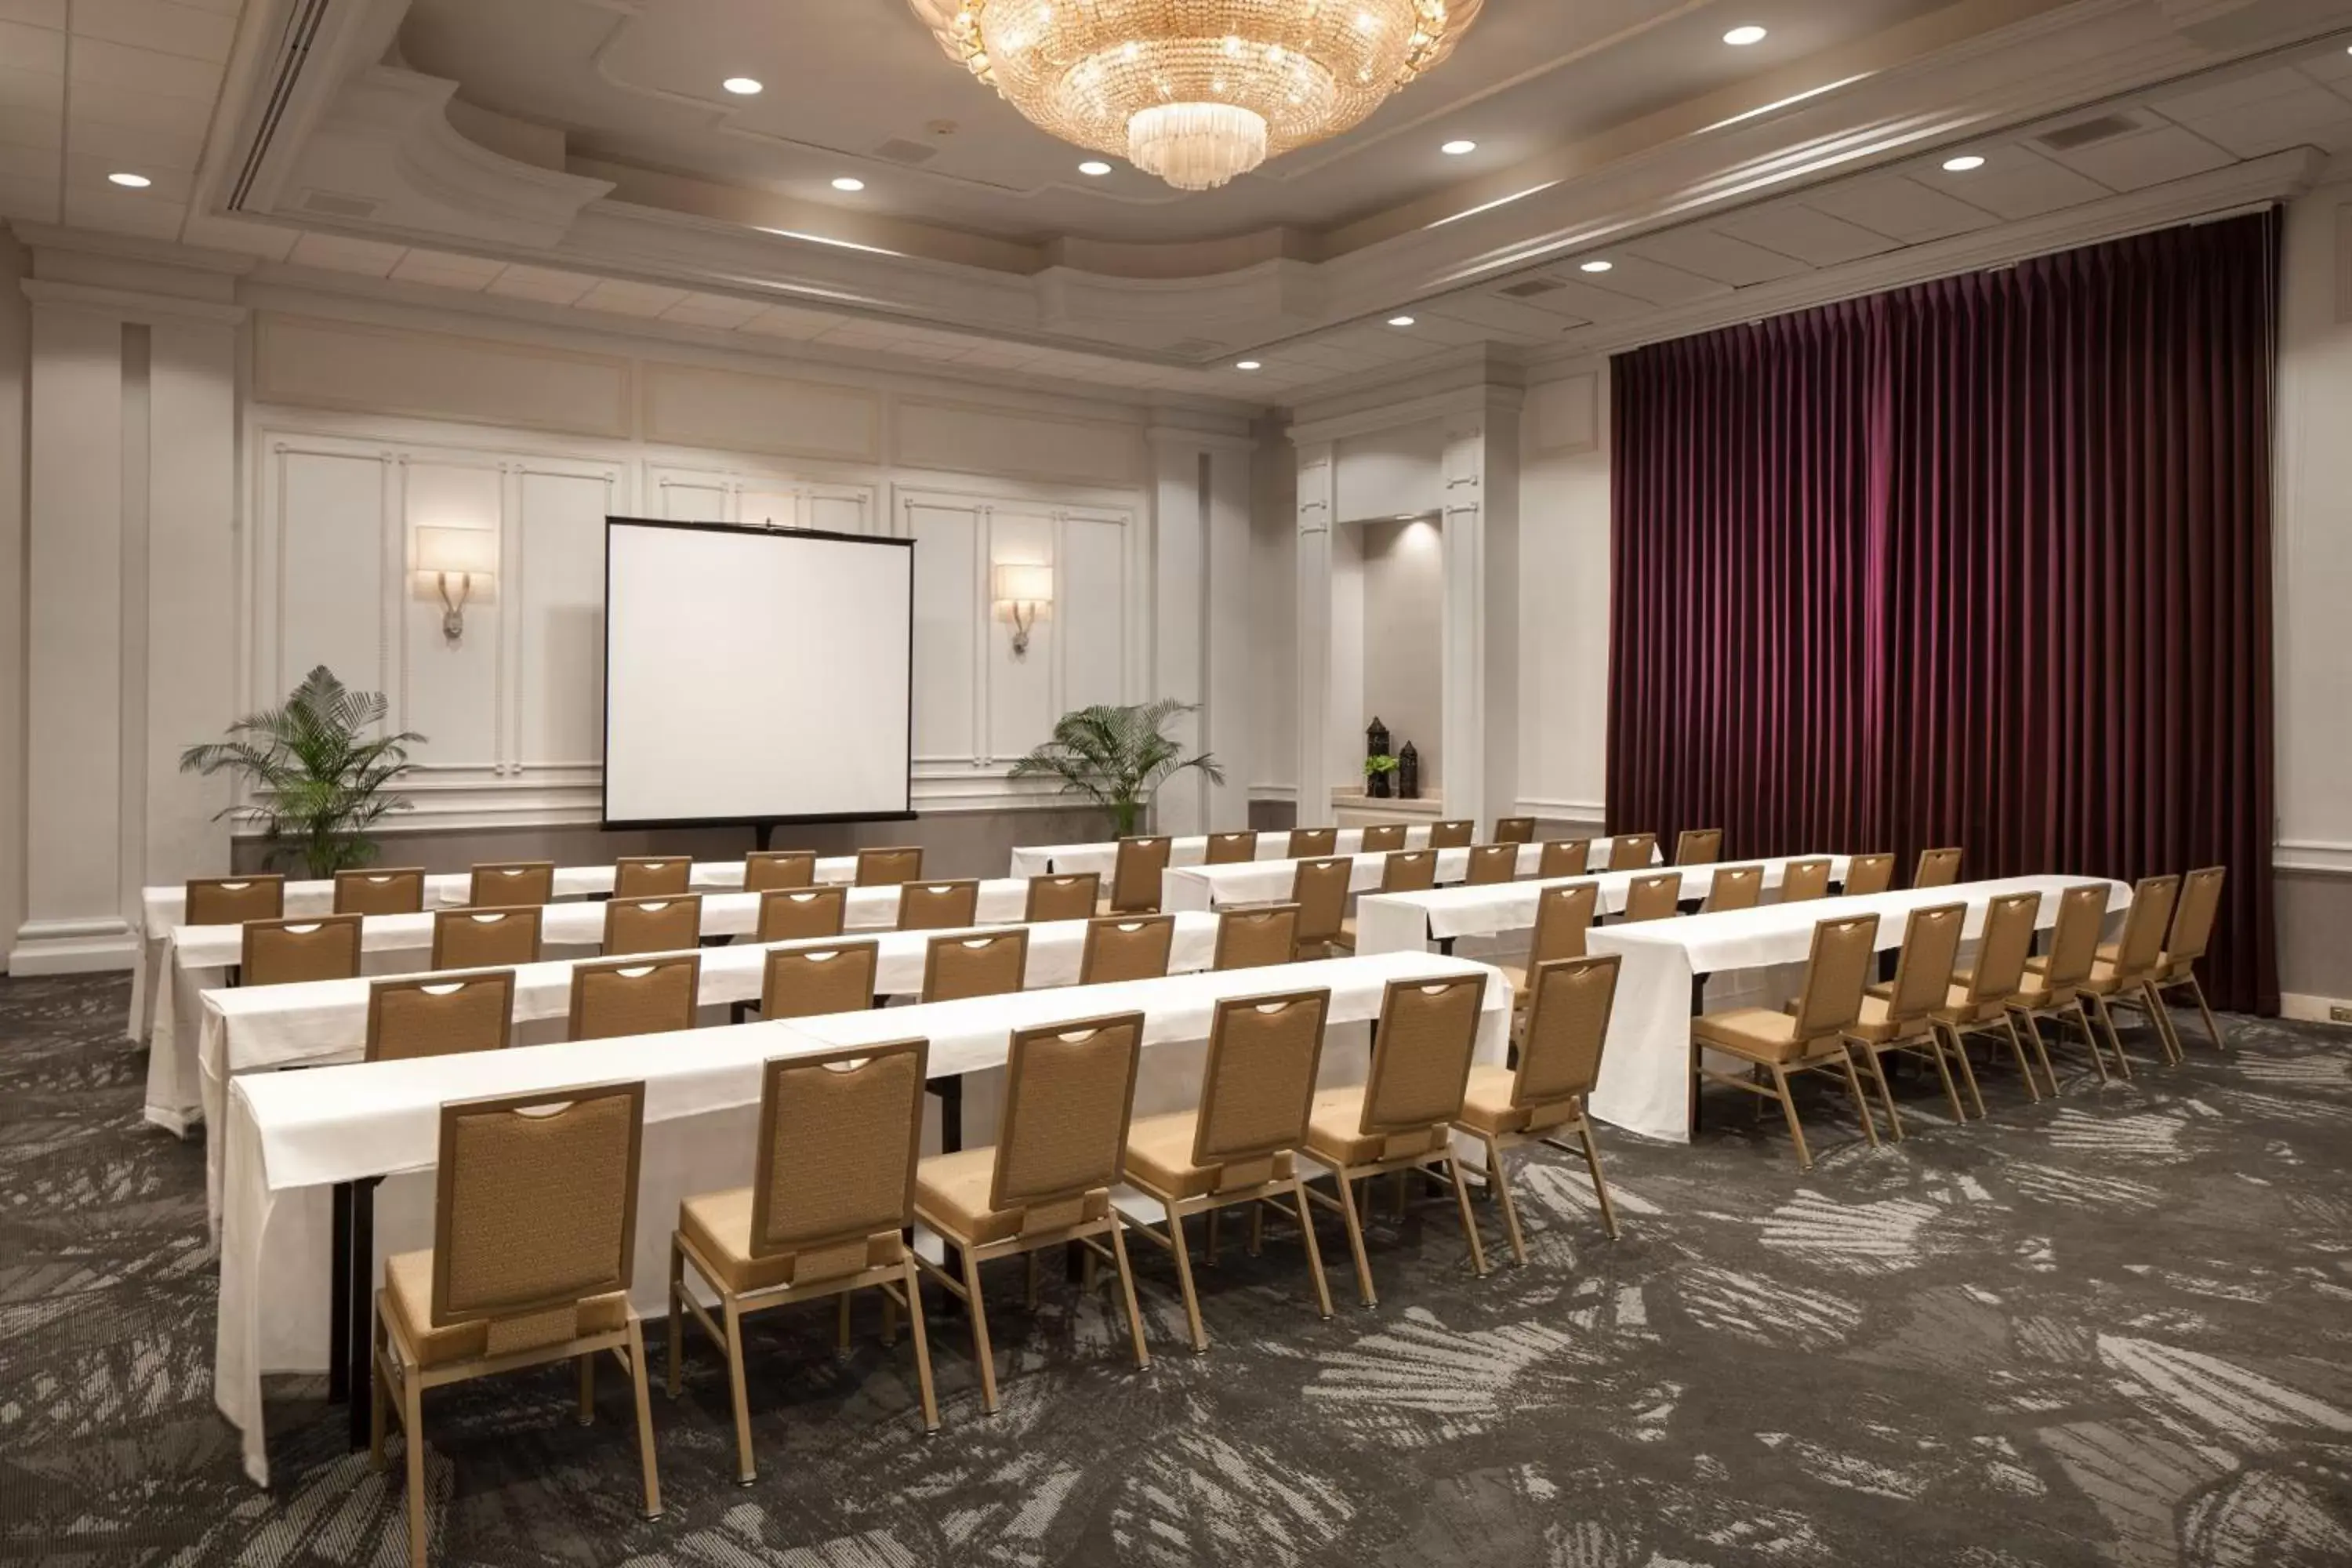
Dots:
(469, 554)
(1026, 590)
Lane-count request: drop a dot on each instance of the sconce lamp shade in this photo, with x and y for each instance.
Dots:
(1024, 584)
(458, 552)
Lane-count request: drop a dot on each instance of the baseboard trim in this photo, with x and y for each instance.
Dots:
(72, 947)
(2307, 1009)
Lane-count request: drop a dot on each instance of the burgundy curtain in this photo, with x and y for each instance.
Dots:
(1985, 562)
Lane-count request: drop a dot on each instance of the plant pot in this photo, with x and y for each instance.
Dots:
(1376, 787)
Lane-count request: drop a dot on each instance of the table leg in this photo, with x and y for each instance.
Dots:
(353, 1336)
(1445, 945)
(339, 1310)
(950, 1093)
(1698, 1005)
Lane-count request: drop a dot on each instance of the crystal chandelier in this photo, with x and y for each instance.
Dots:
(1197, 92)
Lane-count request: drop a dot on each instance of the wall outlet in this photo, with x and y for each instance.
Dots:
(2340, 1013)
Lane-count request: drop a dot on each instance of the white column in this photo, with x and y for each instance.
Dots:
(15, 356)
(1481, 657)
(1317, 474)
(1201, 616)
(1180, 578)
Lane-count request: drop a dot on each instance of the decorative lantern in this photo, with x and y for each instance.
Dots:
(1376, 766)
(1408, 772)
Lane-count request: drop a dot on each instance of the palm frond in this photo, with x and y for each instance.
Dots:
(1116, 756)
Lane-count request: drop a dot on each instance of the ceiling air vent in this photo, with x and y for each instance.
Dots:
(1195, 348)
(330, 205)
(1532, 287)
(899, 149)
(2089, 133)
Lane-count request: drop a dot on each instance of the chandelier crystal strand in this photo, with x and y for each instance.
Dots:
(1197, 92)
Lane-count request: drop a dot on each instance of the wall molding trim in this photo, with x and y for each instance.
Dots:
(2312, 858)
(2308, 1009)
(129, 303)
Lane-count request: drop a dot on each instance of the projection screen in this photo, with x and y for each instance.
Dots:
(755, 674)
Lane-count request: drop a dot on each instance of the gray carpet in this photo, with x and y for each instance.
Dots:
(2114, 1330)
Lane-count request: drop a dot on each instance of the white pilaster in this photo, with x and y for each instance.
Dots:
(1480, 631)
(1317, 474)
(1200, 589)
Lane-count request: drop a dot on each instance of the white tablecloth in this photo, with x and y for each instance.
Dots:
(1269, 881)
(292, 1135)
(1645, 1069)
(1070, 859)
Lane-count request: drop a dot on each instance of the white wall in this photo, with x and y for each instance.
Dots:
(1404, 639)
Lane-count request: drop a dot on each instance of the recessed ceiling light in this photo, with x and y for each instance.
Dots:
(742, 86)
(1456, 149)
(1963, 163)
(1740, 38)
(849, 183)
(1094, 166)
(1399, 320)
(1597, 264)
(131, 181)
(1247, 364)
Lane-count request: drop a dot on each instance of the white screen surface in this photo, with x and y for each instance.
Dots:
(754, 674)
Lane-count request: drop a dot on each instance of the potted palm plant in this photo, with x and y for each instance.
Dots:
(318, 779)
(1117, 757)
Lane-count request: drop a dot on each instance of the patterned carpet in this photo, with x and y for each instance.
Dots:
(2118, 1330)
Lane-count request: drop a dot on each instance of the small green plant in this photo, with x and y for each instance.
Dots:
(318, 779)
(1117, 757)
(1379, 766)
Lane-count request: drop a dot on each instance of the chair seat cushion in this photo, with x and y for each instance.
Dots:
(1486, 1108)
(1160, 1156)
(1335, 1135)
(1756, 1033)
(951, 1195)
(718, 1225)
(408, 1303)
(1958, 1008)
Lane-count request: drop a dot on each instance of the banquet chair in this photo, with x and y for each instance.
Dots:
(1515, 830)
(651, 875)
(766, 868)
(1492, 863)
(1937, 868)
(634, 996)
(937, 906)
(1566, 857)
(1069, 1092)
(1808, 1038)
(2192, 928)
(798, 914)
(511, 884)
(1867, 874)
(1632, 851)
(1541, 1100)
(813, 981)
(1653, 897)
(672, 924)
(1409, 871)
(1901, 1016)
(1981, 993)
(534, 1233)
(1802, 881)
(1258, 937)
(1563, 915)
(2128, 979)
(832, 1192)
(379, 890)
(2052, 985)
(1732, 888)
(1308, 843)
(1454, 832)
(1127, 947)
(232, 900)
(959, 967)
(1240, 1145)
(484, 939)
(1403, 1119)
(1380, 838)
(883, 868)
(439, 1015)
(1135, 876)
(1319, 889)
(309, 947)
(1698, 847)
(1231, 848)
(1070, 897)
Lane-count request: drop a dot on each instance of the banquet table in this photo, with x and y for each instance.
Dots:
(371, 1130)
(197, 959)
(1072, 859)
(1645, 1066)
(1269, 881)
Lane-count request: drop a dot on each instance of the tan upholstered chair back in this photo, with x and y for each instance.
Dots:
(1252, 939)
(2003, 946)
(1562, 917)
(1734, 887)
(1320, 888)
(511, 884)
(1421, 1062)
(1566, 857)
(1492, 863)
(1070, 1090)
(766, 868)
(433, 1016)
(1232, 848)
(1454, 832)
(1063, 898)
(1264, 1053)
(1802, 881)
(2145, 923)
(1307, 843)
(993, 964)
(811, 981)
(1379, 838)
(1844, 952)
(2074, 939)
(1409, 871)
(1632, 851)
(1515, 830)
(672, 924)
(2192, 921)
(1937, 868)
(1869, 874)
(232, 900)
(1654, 897)
(379, 890)
(634, 996)
(651, 875)
(1135, 874)
(536, 1210)
(1127, 947)
(802, 914)
(484, 939)
(1923, 971)
(1567, 1023)
(937, 906)
(839, 1134)
(881, 868)
(314, 947)
(1698, 847)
